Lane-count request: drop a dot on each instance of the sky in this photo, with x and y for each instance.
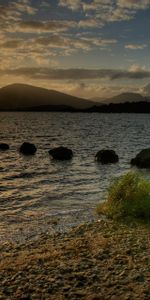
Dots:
(86, 48)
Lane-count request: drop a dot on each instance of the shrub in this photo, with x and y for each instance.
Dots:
(128, 196)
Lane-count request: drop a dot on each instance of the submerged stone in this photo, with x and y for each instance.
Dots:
(4, 146)
(107, 156)
(27, 149)
(61, 153)
(142, 159)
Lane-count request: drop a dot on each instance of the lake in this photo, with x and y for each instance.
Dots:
(39, 195)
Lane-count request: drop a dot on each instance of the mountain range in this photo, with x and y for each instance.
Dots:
(122, 98)
(23, 97)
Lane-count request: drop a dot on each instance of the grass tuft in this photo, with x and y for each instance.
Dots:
(128, 196)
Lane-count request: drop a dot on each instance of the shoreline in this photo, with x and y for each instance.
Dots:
(60, 223)
(101, 260)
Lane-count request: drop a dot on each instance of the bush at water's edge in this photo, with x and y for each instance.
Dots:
(128, 196)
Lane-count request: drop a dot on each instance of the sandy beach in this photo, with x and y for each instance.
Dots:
(98, 260)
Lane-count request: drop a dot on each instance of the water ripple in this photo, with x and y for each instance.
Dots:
(35, 189)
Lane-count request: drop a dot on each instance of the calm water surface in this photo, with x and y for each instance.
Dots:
(40, 195)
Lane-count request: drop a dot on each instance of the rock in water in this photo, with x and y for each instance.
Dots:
(61, 153)
(27, 149)
(4, 146)
(142, 159)
(107, 156)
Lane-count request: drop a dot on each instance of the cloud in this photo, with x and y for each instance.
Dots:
(12, 44)
(44, 26)
(70, 4)
(88, 23)
(24, 6)
(95, 13)
(45, 4)
(51, 45)
(29, 39)
(146, 90)
(137, 68)
(106, 11)
(100, 42)
(120, 14)
(134, 4)
(12, 10)
(135, 46)
(76, 74)
(52, 25)
(96, 91)
(96, 5)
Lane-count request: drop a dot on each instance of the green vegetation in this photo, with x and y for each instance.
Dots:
(128, 196)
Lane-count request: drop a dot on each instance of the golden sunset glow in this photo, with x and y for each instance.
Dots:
(85, 48)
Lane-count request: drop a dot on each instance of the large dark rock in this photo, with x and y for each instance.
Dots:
(61, 153)
(142, 159)
(107, 156)
(27, 149)
(4, 146)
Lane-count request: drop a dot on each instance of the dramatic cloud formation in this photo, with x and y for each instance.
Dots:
(13, 10)
(77, 74)
(77, 45)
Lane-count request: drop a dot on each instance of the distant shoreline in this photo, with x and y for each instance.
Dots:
(127, 107)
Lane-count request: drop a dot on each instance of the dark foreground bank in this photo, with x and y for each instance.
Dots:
(100, 260)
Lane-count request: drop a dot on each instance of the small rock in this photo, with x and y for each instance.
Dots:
(4, 147)
(107, 156)
(142, 159)
(61, 153)
(27, 149)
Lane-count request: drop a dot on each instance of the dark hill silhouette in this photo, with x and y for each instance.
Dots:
(126, 97)
(24, 97)
(123, 98)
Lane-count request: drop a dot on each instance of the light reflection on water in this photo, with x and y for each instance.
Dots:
(35, 191)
